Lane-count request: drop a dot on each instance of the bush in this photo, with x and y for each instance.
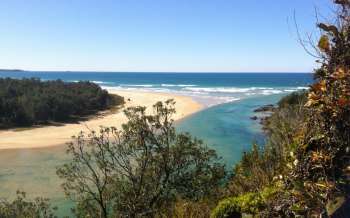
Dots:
(249, 203)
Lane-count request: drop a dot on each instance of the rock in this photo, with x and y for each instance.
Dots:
(254, 118)
(265, 108)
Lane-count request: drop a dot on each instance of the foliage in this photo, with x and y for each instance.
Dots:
(22, 208)
(228, 207)
(190, 209)
(249, 203)
(29, 102)
(141, 170)
(322, 157)
(294, 99)
(252, 173)
(308, 141)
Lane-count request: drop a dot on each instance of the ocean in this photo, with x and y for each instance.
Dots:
(224, 124)
(207, 88)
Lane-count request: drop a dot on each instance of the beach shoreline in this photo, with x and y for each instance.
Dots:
(50, 136)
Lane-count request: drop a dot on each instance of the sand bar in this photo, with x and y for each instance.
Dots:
(58, 135)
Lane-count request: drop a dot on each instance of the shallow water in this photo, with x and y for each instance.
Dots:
(33, 171)
(227, 128)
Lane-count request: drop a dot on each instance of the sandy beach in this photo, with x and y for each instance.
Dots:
(58, 135)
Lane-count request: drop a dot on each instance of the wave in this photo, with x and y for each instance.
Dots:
(101, 82)
(208, 96)
(226, 89)
(137, 85)
(269, 92)
(214, 91)
(302, 88)
(177, 85)
(93, 81)
(290, 90)
(137, 88)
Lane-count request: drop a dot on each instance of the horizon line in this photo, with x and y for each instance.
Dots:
(104, 71)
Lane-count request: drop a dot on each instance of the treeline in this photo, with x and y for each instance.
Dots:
(26, 102)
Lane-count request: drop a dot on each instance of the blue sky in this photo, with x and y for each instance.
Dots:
(156, 35)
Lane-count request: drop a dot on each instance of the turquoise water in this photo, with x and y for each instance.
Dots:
(224, 125)
(227, 128)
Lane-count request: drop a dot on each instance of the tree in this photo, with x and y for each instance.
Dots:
(140, 170)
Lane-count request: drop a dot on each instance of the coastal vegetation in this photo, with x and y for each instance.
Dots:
(27, 102)
(303, 170)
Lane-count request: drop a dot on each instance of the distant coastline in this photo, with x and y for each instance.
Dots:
(12, 70)
(158, 72)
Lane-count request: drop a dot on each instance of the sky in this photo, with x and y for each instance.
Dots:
(157, 35)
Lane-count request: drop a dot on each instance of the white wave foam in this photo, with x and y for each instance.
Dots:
(302, 88)
(251, 93)
(226, 89)
(229, 99)
(269, 92)
(208, 90)
(208, 96)
(137, 85)
(138, 88)
(112, 88)
(178, 85)
(209, 100)
(101, 82)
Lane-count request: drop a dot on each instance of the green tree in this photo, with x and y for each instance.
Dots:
(141, 170)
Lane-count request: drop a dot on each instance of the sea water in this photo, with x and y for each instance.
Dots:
(224, 124)
(207, 88)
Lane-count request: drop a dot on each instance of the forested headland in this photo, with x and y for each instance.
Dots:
(27, 102)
